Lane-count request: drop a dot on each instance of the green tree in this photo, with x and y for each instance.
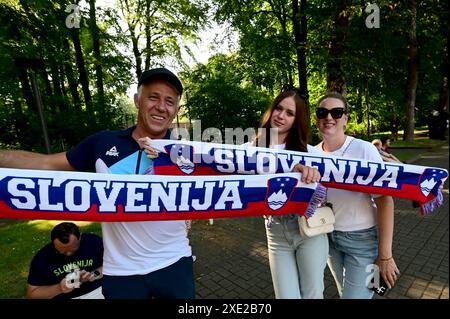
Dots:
(413, 74)
(221, 97)
(158, 28)
(272, 43)
(37, 30)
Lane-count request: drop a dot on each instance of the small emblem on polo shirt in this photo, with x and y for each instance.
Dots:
(112, 152)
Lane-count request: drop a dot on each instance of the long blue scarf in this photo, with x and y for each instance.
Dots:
(418, 183)
(37, 194)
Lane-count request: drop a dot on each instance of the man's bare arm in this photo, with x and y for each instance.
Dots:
(48, 292)
(31, 160)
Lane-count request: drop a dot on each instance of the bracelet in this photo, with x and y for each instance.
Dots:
(385, 259)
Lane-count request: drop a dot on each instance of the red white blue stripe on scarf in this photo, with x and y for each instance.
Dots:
(37, 194)
(418, 183)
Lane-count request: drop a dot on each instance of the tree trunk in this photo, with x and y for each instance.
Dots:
(132, 16)
(63, 101)
(57, 92)
(148, 40)
(81, 69)
(300, 35)
(413, 74)
(73, 85)
(48, 96)
(48, 87)
(367, 108)
(444, 95)
(282, 17)
(359, 104)
(18, 114)
(26, 88)
(97, 55)
(335, 72)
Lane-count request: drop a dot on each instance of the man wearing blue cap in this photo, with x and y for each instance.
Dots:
(142, 260)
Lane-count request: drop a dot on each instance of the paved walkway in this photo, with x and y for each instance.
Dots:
(232, 259)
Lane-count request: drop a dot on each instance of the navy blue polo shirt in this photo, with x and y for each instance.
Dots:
(48, 267)
(113, 152)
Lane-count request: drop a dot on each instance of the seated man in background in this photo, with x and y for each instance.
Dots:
(387, 157)
(70, 267)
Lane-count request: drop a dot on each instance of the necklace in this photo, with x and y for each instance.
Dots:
(342, 154)
(323, 149)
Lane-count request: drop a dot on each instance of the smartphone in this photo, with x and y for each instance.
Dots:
(381, 290)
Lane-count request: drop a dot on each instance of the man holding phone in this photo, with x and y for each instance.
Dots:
(70, 267)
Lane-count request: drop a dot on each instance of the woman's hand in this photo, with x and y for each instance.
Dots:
(388, 270)
(309, 174)
(144, 143)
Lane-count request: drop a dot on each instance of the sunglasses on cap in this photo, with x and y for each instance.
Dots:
(336, 113)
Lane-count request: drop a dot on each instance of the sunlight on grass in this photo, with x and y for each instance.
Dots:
(418, 142)
(421, 139)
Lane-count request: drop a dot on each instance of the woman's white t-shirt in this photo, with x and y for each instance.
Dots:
(353, 210)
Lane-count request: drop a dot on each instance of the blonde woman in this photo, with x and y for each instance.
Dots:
(364, 223)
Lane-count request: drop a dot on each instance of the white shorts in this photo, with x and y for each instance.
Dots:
(94, 294)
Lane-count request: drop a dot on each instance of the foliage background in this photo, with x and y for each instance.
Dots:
(85, 72)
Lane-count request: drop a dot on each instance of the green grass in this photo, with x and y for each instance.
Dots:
(418, 142)
(405, 151)
(18, 244)
(405, 155)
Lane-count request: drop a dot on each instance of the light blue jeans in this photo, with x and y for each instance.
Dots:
(350, 253)
(297, 264)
